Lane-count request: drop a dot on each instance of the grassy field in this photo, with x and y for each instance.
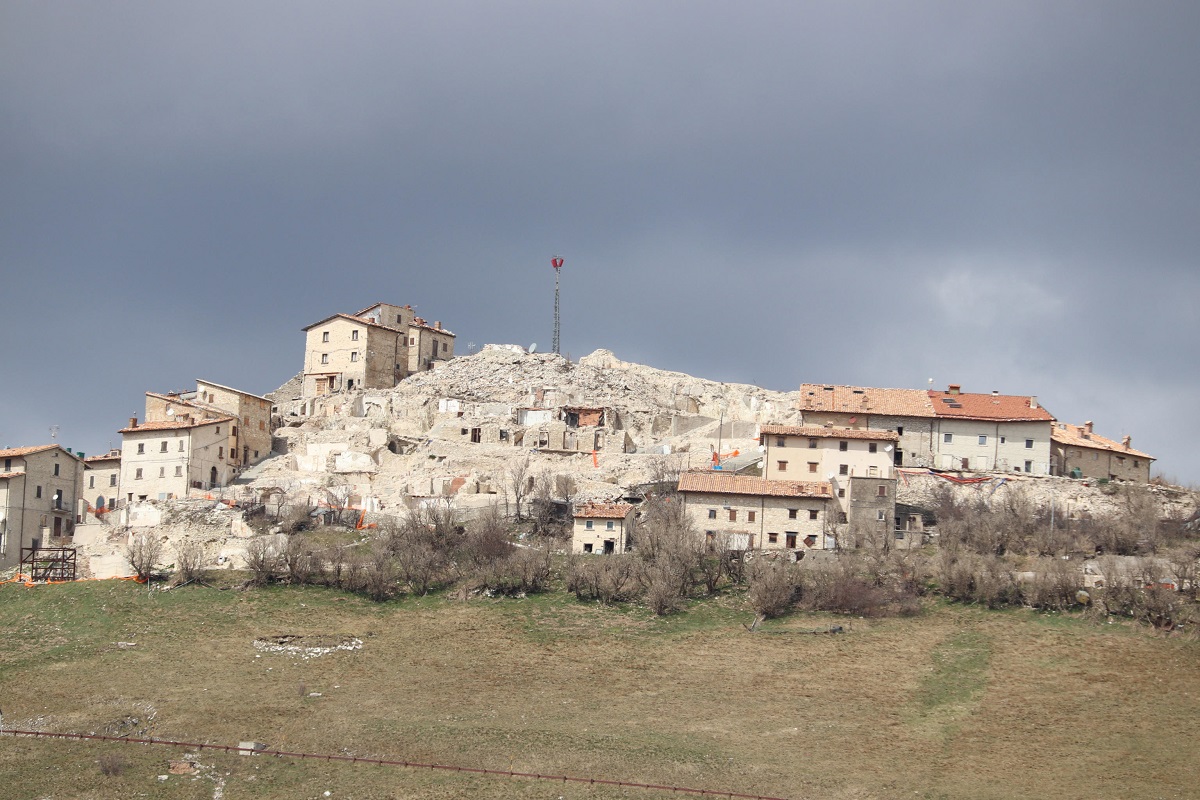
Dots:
(957, 703)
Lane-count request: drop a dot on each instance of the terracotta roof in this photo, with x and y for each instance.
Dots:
(716, 482)
(174, 426)
(1078, 436)
(435, 330)
(231, 389)
(105, 457)
(14, 452)
(603, 510)
(865, 400)
(352, 318)
(6, 475)
(819, 432)
(999, 407)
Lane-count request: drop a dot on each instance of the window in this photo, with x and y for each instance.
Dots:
(443, 347)
(234, 432)
(1137, 463)
(733, 515)
(812, 513)
(879, 515)
(791, 539)
(112, 479)
(773, 538)
(587, 548)
(782, 466)
(220, 452)
(841, 491)
(873, 447)
(750, 516)
(843, 446)
(91, 481)
(412, 340)
(712, 513)
(325, 336)
(812, 444)
(899, 430)
(56, 469)
(256, 454)
(1003, 439)
(610, 525)
(38, 492)
(810, 540)
(1029, 444)
(589, 525)
(780, 441)
(162, 447)
(354, 355)
(983, 439)
(843, 469)
(262, 426)
(1120, 460)
(354, 336)
(137, 476)
(399, 319)
(141, 448)
(180, 448)
(947, 438)
(324, 358)
(792, 512)
(179, 472)
(8, 465)
(881, 491)
(842, 517)
(1029, 466)
(162, 472)
(812, 466)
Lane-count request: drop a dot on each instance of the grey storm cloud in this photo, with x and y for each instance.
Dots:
(996, 194)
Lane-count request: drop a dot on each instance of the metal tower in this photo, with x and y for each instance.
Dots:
(557, 263)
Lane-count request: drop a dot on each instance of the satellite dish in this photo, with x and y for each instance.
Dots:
(762, 449)
(887, 449)
(170, 411)
(533, 347)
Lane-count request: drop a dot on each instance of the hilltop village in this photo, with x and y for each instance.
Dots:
(384, 420)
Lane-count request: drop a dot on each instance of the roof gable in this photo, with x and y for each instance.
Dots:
(715, 482)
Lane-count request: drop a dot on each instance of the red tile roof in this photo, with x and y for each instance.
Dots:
(14, 452)
(6, 475)
(998, 407)
(174, 426)
(603, 510)
(231, 389)
(819, 432)
(716, 482)
(105, 457)
(1078, 436)
(352, 318)
(865, 400)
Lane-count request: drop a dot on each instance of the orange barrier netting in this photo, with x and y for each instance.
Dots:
(20, 577)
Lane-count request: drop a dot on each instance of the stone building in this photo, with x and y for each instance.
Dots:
(742, 512)
(163, 460)
(602, 528)
(1078, 451)
(101, 482)
(373, 349)
(39, 487)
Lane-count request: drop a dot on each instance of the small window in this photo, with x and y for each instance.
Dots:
(842, 517)
(56, 469)
(1029, 466)
(1003, 439)
(354, 355)
(443, 347)
(162, 472)
(733, 515)
(843, 446)
(841, 491)
(773, 538)
(843, 469)
(162, 447)
(38, 491)
(179, 472)
(324, 336)
(812, 513)
(91, 481)
(873, 447)
(780, 441)
(1137, 463)
(983, 439)
(812, 444)
(610, 525)
(180, 448)
(812, 466)
(324, 358)
(1029, 444)
(141, 448)
(354, 336)
(750, 516)
(879, 515)
(112, 479)
(791, 539)
(899, 430)
(948, 438)
(220, 452)
(589, 525)
(137, 476)
(881, 490)
(712, 513)
(792, 512)
(782, 466)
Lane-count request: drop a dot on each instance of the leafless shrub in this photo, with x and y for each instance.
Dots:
(299, 561)
(379, 571)
(564, 487)
(1056, 585)
(143, 552)
(486, 540)
(773, 586)
(524, 571)
(189, 560)
(661, 588)
(517, 476)
(111, 765)
(262, 559)
(611, 579)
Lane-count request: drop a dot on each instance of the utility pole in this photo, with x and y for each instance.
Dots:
(557, 263)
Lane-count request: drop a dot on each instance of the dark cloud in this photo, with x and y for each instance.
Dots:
(995, 194)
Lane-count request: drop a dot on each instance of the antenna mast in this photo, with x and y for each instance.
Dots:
(557, 263)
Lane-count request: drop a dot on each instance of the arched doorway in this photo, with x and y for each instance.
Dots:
(212, 477)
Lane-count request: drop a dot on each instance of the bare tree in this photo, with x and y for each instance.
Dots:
(143, 552)
(773, 584)
(189, 560)
(564, 487)
(262, 559)
(518, 482)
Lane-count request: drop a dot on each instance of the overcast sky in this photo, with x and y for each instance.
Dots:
(1001, 195)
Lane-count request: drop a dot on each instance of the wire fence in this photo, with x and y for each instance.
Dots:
(397, 763)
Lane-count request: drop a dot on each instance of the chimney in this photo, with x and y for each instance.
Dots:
(1125, 441)
(955, 388)
(437, 325)
(995, 392)
(133, 422)
(1033, 401)
(1088, 425)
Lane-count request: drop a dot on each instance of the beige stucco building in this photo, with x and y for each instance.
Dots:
(602, 528)
(742, 512)
(1078, 451)
(101, 482)
(39, 487)
(373, 349)
(163, 460)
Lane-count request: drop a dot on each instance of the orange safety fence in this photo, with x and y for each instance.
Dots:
(26, 580)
